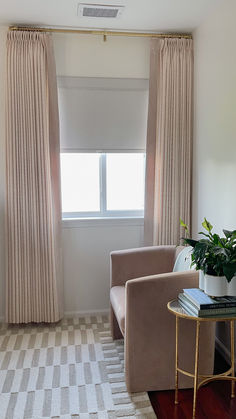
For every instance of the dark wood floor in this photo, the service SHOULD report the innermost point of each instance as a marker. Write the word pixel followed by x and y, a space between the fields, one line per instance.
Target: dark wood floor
pixel 214 401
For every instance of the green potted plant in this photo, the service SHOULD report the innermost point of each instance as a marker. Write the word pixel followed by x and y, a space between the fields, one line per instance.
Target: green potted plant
pixel 215 257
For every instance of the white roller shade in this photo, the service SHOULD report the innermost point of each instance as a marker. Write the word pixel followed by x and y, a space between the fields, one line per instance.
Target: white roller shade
pixel 103 114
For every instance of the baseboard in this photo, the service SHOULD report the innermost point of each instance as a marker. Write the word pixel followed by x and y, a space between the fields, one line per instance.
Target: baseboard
pixel 224 351
pixel 82 313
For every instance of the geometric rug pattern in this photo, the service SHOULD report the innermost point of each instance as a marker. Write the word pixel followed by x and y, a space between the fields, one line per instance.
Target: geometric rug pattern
pixel 69 370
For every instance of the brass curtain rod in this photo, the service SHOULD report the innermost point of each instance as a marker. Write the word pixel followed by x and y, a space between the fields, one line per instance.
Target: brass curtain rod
pixel 102 32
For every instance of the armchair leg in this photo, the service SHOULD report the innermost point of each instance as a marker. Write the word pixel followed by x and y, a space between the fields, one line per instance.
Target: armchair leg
pixel 115 329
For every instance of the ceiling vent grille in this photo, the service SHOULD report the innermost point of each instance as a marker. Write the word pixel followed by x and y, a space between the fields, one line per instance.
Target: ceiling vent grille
pixel 99 11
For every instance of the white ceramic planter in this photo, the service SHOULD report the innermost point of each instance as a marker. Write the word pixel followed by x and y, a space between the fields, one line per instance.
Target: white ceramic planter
pixel 217 286
pixel 201 280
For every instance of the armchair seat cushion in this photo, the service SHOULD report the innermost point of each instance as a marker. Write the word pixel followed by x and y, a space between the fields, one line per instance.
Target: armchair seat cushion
pixel 117 298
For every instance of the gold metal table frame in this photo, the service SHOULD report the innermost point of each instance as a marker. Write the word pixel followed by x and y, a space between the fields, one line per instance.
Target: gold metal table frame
pixel 199 380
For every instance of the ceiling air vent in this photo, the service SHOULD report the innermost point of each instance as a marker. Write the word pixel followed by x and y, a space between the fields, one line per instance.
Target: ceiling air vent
pixel 99 10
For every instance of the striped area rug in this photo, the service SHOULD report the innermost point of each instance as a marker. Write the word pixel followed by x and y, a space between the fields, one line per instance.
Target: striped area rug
pixel 69 370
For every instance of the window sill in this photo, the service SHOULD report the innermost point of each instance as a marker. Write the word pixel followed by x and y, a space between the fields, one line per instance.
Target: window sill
pixel 102 222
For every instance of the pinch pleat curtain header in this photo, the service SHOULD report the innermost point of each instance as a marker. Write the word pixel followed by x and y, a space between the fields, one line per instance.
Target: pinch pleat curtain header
pixel 169 140
pixel 33 212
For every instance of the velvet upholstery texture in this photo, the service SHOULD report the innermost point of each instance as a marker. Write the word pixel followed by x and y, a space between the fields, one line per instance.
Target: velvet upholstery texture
pixel 142 283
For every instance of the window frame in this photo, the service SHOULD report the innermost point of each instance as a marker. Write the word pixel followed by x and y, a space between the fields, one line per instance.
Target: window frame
pixel 103 213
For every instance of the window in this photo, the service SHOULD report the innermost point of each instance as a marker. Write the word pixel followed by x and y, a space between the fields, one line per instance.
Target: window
pixel 125 181
pixel 103 125
pixel 102 184
pixel 80 182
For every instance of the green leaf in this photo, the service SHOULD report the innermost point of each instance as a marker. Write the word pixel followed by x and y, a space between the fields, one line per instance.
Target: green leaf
pixel 230 235
pixel 217 240
pixel 191 242
pixel 227 233
pixel 204 234
pixel 221 251
pixel 207 225
pixel 213 254
pixel 229 271
pixel 182 223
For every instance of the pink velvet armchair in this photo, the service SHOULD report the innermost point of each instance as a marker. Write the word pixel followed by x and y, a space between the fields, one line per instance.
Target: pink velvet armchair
pixel 142 282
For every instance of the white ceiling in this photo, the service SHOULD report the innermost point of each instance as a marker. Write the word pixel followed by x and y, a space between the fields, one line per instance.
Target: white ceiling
pixel 143 15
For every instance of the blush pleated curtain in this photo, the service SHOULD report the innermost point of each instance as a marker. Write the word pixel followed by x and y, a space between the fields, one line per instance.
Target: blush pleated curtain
pixel 169 141
pixel 33 215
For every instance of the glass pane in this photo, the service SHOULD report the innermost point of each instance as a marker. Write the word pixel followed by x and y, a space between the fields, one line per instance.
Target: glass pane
pixel 80 182
pixel 125 181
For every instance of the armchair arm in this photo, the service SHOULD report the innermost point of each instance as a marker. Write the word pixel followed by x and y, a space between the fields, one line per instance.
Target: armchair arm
pixel 143 261
pixel 150 332
pixel 151 294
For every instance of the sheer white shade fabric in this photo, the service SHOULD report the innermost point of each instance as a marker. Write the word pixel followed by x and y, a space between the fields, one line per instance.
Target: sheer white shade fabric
pixel 101 114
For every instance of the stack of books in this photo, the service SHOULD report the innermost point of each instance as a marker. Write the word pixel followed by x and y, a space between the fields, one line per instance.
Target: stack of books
pixel 196 303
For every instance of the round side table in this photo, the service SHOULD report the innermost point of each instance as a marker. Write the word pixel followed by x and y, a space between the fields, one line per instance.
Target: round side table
pixel 175 308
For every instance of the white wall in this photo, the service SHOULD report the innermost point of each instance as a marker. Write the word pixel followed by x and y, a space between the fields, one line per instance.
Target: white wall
pixel 86 261
pixel 87 247
pixel 214 179
pixel 214 188
pixel 90 56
